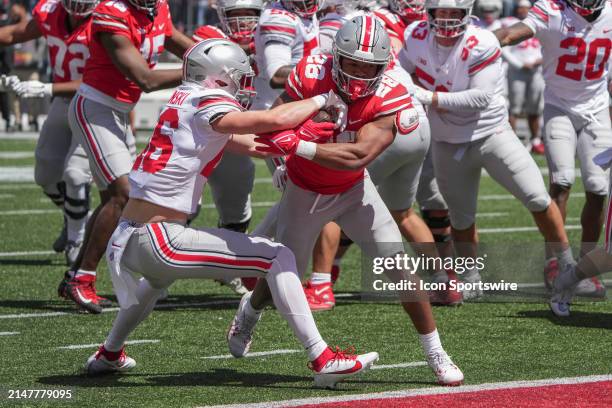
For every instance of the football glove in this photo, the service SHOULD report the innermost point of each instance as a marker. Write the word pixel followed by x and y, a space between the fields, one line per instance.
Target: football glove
pixel 279 178
pixel 423 95
pixel 33 89
pixel 280 143
pixel 318 132
pixel 7 82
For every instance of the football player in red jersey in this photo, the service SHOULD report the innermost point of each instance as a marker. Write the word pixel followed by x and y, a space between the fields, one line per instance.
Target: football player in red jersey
pixel 61 166
pixel 327 181
pixel 399 15
pixel 128 37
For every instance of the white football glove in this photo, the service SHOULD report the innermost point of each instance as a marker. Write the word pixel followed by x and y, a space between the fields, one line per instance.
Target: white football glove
pixel 279 178
pixel 33 89
pixel 341 109
pixel 7 82
pixel 423 95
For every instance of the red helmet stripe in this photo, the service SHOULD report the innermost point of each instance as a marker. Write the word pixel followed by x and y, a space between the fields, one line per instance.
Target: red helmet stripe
pixel 367 33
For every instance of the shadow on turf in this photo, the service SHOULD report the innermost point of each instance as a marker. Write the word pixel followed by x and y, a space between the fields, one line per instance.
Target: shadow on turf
pixel 30 262
pixel 214 378
pixel 593 320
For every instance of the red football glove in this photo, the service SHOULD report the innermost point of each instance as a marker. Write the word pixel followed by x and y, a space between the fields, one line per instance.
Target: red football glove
pixel 281 143
pixel 318 132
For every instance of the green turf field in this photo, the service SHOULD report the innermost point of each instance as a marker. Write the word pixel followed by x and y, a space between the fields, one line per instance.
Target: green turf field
pixel 490 341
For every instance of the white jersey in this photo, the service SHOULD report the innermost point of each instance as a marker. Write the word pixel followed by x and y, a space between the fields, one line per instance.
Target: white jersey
pixel 476 49
pixel 277 25
pixel 575 56
pixel 183 150
pixel 328 27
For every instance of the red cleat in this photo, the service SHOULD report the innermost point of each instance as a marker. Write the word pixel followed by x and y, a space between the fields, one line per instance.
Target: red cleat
pixel 82 291
pixel 551 270
pixel 538 148
pixel 320 296
pixel 447 297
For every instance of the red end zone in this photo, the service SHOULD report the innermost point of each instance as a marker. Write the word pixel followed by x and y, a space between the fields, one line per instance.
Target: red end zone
pixel 597 394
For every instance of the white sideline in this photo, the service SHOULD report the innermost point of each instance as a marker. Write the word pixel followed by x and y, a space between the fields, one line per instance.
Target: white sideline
pixel 9 333
pixel 84 346
pixel 254 354
pixel 424 391
pixel 25 253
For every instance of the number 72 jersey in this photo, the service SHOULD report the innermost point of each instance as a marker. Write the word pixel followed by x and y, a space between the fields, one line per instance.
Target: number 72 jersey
pixel 68 51
pixel 576 55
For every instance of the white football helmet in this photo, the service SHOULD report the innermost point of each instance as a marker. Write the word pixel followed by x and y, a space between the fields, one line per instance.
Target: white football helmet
pixel 365 40
pixel 489 10
pixel 220 64
pixel 303 8
pixel 79 8
pixel 449 27
pixel 242 28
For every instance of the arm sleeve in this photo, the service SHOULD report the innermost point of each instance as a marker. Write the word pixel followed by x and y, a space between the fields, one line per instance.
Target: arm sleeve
pixel 477 97
pixel 276 55
pixel 510 58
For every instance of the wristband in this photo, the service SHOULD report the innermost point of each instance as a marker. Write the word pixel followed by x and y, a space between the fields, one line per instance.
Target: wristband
pixel 307 150
pixel 320 100
pixel 48 89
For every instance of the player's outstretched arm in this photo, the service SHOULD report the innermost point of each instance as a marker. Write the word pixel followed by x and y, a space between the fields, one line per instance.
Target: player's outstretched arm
pixel 178 43
pixel 19 33
pixel 131 63
pixel 285 116
pixel 246 145
pixel 514 34
pixel 370 141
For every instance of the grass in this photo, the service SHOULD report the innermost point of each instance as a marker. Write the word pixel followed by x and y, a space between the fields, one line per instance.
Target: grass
pixel 490 341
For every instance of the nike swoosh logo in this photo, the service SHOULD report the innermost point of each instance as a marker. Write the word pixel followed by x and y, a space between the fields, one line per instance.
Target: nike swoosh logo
pixel 83 299
pixel 82 38
pixel 352 122
pixel 115 245
pixel 319 291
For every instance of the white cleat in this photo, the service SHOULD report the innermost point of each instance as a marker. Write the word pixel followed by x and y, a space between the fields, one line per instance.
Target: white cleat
pixel 445 370
pixel 561 295
pixel 100 363
pixel 472 276
pixel 240 332
pixel 331 367
pixel 591 287
pixel 234 284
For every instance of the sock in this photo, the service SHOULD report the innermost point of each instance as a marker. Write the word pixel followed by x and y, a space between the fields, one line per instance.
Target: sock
pixel 568 279
pixel 318 278
pixel 76 208
pixel 127 319
pixel 439 277
pixel 431 342
pixel 290 301
pixel 81 272
pixel 565 257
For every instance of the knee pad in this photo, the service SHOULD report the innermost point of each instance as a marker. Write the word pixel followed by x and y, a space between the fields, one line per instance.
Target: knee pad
pixel 596 185
pixel 538 203
pixel 238 226
pixel 564 178
pixel 56 192
pixel 437 221
pixel 47 173
pixel 76 176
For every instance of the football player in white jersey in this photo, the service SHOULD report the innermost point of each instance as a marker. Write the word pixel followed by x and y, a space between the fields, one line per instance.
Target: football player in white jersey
pixel 525 80
pixel 488 12
pixel 167 181
pixel 576 38
pixel 459 66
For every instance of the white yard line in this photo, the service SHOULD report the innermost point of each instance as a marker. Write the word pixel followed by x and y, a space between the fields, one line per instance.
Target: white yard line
pixel 400 365
pixel 425 391
pixel 17 155
pixel 30 212
pixel 19 186
pixel 25 253
pixel 254 354
pixel 85 346
pixel 520 229
pixel 16 173
pixel 9 333
pixel 7 196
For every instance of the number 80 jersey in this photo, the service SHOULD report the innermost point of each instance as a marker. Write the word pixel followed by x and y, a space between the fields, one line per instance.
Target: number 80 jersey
pixel 67 50
pixel 184 149
pixel 575 53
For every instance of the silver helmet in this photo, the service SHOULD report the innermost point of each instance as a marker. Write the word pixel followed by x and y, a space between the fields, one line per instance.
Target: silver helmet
pixel 220 64
pixel 408 9
pixel 149 6
pixel 489 10
pixel 239 28
pixel 303 8
pixel 79 8
pixel 365 40
pixel 449 27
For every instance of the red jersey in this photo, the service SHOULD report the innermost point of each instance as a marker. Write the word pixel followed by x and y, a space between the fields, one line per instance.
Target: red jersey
pixel 208 32
pixel 120 18
pixel 313 76
pixel 68 51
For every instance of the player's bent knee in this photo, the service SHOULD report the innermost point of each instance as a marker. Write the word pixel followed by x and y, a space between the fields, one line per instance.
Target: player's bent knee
pixel 563 178
pixel 462 223
pixel 76 177
pixel 538 203
pixel 47 175
pixel 596 185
